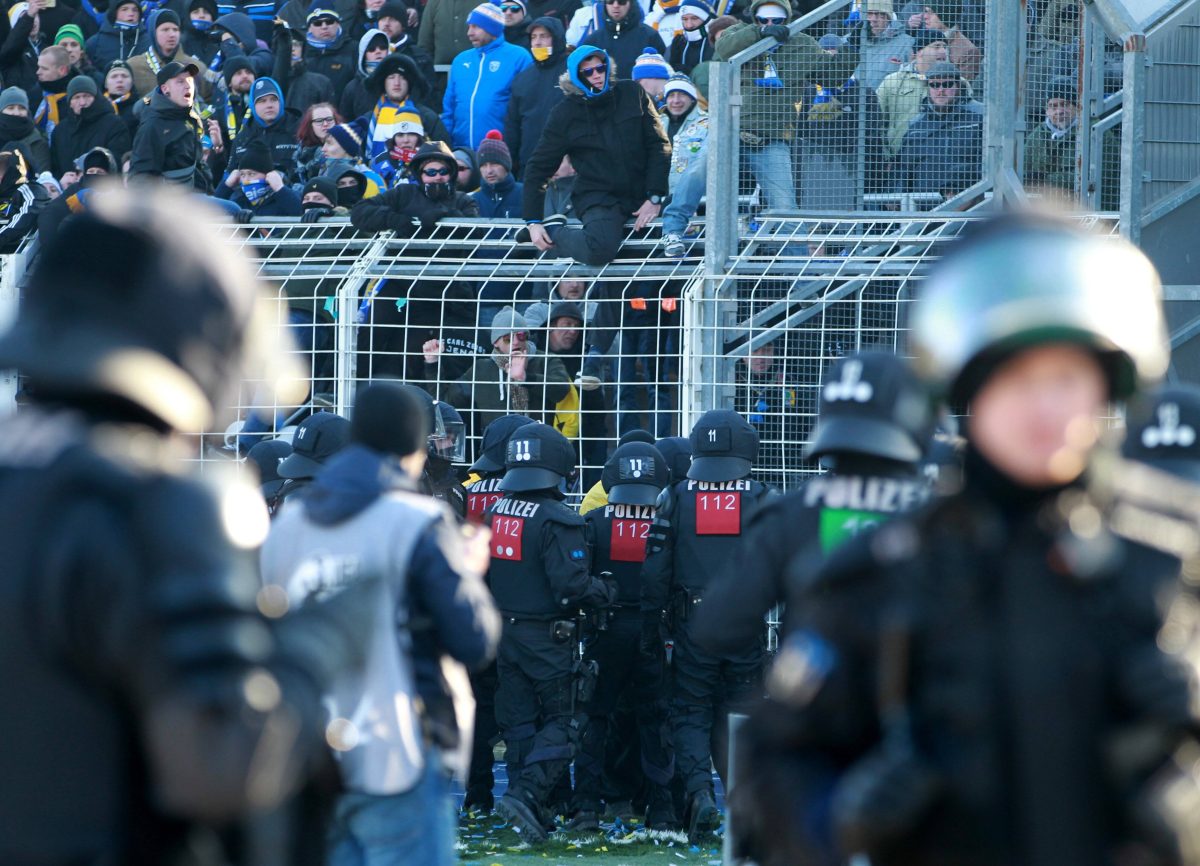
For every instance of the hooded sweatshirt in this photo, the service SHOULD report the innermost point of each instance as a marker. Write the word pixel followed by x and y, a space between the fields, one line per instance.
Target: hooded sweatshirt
pixel 116 41
pixel 357 99
pixel 535 92
pixel 279 136
pixel 245 42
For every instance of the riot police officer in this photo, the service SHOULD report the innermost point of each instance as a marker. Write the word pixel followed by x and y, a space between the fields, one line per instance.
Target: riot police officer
pixel 540 576
pixel 481 493
pixel 447 446
pixel 872 425
pixel 634 477
pixel 266 456
pixel 150 685
pixel 698 537
pixel 986 682
pixel 1164 431
pixel 317 438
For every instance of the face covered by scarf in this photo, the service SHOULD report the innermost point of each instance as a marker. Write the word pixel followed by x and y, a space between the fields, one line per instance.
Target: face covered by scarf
pixel 255 191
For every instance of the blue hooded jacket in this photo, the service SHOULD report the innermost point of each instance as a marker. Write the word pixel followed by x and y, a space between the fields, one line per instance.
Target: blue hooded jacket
pixel 279 136
pixel 478 90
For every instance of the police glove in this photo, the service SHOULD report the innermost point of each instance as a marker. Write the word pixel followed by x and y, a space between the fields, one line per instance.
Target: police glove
pixel 313 214
pixel 779 32
pixel 611 590
pixel 881 799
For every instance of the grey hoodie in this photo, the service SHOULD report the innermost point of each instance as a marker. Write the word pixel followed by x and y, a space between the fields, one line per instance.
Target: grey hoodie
pixel 879 58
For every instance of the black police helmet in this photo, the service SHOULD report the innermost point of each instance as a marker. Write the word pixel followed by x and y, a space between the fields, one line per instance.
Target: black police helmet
pixel 636 435
pixel 266 457
pixel 538 458
pixel 449 440
pixel 635 474
pixel 391 418
pixel 724 446
pixel 319 437
pixel 130 301
pixel 1164 431
pixel 495 443
pixel 872 404
pixel 677 451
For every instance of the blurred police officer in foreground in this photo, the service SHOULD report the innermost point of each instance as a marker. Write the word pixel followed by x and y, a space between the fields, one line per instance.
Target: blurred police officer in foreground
pixel 1164 431
pixel 634 477
pixel 541 577
pixel 482 492
pixel 872 425
pixel 986 682
pixel 363 515
pixel 150 685
pixel 697 540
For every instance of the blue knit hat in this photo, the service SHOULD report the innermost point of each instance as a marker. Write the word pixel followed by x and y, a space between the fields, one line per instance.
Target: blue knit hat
pixel 322 9
pixel 650 64
pixel 489 18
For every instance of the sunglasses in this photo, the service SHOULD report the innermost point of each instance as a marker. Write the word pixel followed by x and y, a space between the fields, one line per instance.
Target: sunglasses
pixel 766 22
pixel 510 7
pixel 593 70
pixel 436 172
pixel 943 85
pixel 323 22
pixel 617 2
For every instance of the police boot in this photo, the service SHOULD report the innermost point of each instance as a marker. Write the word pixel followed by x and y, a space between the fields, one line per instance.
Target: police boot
pixel 703 816
pixel 521 811
pixel 660 815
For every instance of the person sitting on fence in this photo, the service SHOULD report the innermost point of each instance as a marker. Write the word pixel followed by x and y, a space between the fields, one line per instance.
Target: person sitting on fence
pixel 772 86
pixel 620 153
pixel 943 148
pixel 516 378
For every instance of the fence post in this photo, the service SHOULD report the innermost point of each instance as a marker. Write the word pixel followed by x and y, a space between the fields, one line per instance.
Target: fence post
pixel 345 335
pixel 1133 130
pixel 1004 90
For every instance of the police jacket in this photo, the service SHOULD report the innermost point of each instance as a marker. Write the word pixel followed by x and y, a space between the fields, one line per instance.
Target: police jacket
pixel 478 88
pixel 535 91
pixel 616 143
pixel 128 627
pixel 620 533
pixel 541 565
pixel 482 495
pixel 98 125
pixel 707 520
pixel 824 512
pixel 360 517
pixel 1032 624
pixel 167 144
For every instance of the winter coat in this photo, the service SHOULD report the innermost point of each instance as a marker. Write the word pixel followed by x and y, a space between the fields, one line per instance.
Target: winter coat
pixel 684 56
pixel 21 200
pixel 768 112
pixel 279 137
pixel 302 87
pixel 625 40
pixel 199 43
pixel 21 132
pixel 335 62
pixel 444 29
pixel 145 76
pixel 518 34
pixel 245 42
pixel 500 201
pixel 616 143
pixel 486 390
pixel 18 57
pixel 478 90
pixel 535 92
pixel 900 95
pixel 690 144
pixel 396 209
pixel 167 144
pixel 880 57
pixel 98 125
pixel 115 43
pixel 562 10
pixel 942 150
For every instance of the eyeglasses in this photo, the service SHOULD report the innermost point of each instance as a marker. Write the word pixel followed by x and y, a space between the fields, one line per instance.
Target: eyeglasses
pixel 767 22
pixel 593 70
pixel 436 172
pixel 943 85
pixel 323 121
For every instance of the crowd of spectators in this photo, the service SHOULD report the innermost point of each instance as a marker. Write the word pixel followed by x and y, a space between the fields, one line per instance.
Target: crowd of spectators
pixel 586 121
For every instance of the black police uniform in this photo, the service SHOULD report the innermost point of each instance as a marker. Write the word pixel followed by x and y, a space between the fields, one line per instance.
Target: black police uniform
pixel 148 682
pixel 873 421
pixel 1164 431
pixel 705 518
pixel 634 477
pixel 540 576
pixel 480 495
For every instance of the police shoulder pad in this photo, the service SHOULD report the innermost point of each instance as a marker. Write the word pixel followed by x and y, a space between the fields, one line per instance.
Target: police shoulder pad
pixel 664 505
pixel 557 512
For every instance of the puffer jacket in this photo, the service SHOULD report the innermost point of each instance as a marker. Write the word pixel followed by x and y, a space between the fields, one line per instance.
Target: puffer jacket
pixel 478 90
